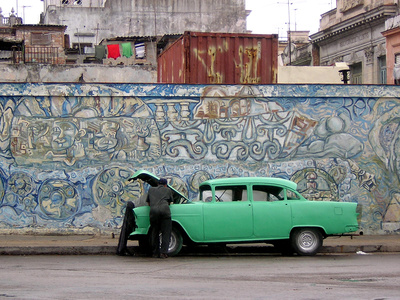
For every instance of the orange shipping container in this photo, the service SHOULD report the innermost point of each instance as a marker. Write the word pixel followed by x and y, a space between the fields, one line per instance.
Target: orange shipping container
pixel 220 58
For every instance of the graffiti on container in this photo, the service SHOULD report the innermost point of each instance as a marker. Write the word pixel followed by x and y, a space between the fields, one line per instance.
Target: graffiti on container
pixel 246 61
pixel 249 68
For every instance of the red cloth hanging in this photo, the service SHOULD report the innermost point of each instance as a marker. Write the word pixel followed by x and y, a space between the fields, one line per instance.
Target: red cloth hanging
pixel 113 51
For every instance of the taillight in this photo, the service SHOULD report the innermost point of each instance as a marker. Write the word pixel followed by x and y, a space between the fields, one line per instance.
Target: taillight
pixel 359 212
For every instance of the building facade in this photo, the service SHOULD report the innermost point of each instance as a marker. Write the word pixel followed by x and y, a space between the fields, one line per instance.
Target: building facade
pixel 297 52
pixel 352 33
pixel 90 21
pixel 392 35
pixel 20 43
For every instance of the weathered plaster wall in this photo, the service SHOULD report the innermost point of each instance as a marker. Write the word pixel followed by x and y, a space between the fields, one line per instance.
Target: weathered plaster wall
pixel 67 150
pixel 73 73
pixel 146 18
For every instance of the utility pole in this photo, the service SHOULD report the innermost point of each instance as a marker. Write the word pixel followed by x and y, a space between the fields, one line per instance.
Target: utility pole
pixel 289 35
pixel 23 12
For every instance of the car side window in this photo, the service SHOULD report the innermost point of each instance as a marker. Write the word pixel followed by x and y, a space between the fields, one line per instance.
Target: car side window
pixel 224 193
pixel 260 195
pixel 231 193
pixel 206 196
pixel 268 193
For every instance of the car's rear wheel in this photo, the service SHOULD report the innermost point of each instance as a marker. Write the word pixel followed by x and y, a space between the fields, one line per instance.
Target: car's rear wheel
pixel 175 243
pixel 306 241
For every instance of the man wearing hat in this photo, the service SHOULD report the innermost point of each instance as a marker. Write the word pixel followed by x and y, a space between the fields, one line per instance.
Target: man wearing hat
pixel 159 199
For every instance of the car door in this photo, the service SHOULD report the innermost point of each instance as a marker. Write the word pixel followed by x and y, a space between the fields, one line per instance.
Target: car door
pixel 229 215
pixel 271 212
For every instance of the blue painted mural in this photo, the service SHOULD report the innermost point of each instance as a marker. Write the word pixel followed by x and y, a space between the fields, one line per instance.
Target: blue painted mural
pixel 67 150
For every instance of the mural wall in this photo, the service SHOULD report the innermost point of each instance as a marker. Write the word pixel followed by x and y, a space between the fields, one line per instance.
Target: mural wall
pixel 67 150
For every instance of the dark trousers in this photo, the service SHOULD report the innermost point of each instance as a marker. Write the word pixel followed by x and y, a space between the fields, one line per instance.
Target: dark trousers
pixel 161 224
pixel 127 227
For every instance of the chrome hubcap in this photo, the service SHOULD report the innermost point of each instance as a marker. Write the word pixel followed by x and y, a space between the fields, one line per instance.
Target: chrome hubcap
pixel 172 242
pixel 307 240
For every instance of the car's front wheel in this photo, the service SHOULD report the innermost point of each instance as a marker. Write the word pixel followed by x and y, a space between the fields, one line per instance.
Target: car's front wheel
pixel 175 243
pixel 306 241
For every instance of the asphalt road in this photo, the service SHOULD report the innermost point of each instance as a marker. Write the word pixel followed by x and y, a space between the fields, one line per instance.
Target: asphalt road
pixel 375 276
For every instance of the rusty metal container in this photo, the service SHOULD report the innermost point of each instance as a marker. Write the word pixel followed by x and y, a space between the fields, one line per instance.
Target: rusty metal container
pixel 220 58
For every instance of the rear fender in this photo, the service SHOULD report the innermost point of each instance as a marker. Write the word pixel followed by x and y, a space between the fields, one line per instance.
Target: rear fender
pixel 321 230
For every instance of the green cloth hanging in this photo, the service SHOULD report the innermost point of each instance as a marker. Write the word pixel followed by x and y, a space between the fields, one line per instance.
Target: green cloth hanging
pixel 100 52
pixel 127 50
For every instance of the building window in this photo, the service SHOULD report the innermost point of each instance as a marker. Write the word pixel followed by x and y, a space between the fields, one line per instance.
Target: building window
pixel 397 58
pixel 382 69
pixel 71 2
pixel 83 48
pixel 40 39
pixel 396 69
pixel 356 73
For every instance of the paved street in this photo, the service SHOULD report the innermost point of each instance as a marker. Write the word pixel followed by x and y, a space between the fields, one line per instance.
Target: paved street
pixel 350 276
pixel 89 244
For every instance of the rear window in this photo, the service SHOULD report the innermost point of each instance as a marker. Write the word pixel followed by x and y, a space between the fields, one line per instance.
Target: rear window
pixel 268 193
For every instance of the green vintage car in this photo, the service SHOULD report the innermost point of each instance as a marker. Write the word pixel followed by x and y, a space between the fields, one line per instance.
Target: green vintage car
pixel 249 210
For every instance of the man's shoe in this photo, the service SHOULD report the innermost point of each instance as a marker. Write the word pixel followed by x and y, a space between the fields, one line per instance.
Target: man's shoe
pixel 163 255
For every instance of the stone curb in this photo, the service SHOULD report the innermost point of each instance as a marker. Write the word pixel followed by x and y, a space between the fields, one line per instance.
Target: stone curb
pixel 111 250
pixel 65 250
pixel 355 249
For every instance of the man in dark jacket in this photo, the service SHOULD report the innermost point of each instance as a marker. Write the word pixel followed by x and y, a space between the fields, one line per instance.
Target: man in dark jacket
pixel 159 199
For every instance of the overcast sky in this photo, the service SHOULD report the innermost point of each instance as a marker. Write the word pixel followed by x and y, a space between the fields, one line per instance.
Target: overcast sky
pixel 272 16
pixel 267 16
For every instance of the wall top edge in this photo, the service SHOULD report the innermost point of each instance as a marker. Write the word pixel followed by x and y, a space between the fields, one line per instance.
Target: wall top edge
pixel 193 91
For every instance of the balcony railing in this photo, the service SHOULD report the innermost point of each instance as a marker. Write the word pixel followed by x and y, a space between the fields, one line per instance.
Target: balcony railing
pixel 9 21
pixel 39 55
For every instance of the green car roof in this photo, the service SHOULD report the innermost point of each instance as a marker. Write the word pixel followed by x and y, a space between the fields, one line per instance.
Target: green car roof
pixel 251 180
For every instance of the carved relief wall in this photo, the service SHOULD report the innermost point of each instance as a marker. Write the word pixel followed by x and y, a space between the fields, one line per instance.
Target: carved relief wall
pixel 67 150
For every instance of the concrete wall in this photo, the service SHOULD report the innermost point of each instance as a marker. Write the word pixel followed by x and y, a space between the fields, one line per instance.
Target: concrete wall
pixel 146 18
pixel 73 73
pixel 311 75
pixel 67 150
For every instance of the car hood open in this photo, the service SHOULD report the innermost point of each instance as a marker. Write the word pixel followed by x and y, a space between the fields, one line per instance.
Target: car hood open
pixel 152 179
